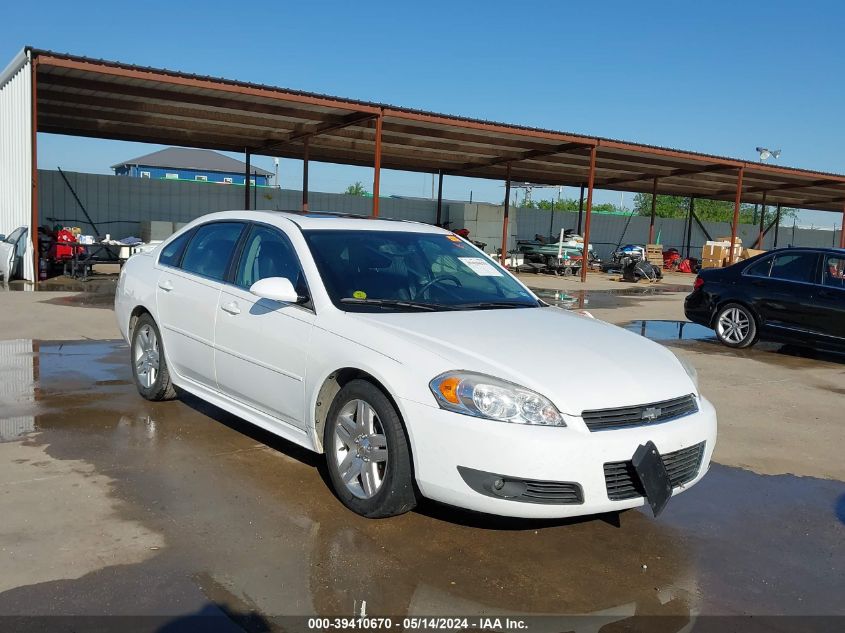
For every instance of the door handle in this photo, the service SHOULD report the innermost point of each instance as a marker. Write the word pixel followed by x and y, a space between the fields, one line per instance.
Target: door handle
pixel 231 307
pixel 166 285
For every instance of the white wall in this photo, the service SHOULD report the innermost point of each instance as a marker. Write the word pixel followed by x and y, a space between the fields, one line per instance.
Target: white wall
pixel 16 152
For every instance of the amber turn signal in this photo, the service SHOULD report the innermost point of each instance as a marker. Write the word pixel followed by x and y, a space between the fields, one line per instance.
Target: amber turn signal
pixel 449 389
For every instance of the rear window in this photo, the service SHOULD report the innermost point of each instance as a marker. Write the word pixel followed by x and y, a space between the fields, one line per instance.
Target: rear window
pixel 172 253
pixel 760 268
pixel 794 267
pixel 211 249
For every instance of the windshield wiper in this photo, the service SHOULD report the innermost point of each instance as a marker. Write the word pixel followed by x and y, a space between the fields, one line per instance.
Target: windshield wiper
pixel 396 303
pixel 485 305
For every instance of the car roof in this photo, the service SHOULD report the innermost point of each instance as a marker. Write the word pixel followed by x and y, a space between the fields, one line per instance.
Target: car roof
pixel 825 249
pixel 323 220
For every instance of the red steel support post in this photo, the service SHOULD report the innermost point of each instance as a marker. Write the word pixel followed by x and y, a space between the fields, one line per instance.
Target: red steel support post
pixel 305 175
pixel 33 229
pixel 504 253
pixel 377 166
pixel 737 203
pixel 653 211
pixel 585 254
pixel 246 180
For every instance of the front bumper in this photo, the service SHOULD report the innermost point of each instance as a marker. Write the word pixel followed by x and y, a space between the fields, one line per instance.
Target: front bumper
pixel 442 441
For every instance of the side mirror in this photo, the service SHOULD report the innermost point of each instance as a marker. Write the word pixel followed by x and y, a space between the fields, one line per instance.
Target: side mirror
pixel 275 289
pixel 2 237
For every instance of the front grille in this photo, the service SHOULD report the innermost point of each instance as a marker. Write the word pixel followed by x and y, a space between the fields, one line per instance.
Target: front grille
pixel 682 466
pixel 639 415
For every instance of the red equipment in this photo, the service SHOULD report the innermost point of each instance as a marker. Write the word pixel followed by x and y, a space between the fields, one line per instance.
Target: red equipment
pixel 64 242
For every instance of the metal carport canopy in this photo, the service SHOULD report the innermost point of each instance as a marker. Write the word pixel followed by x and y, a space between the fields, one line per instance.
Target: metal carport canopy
pixel 86 97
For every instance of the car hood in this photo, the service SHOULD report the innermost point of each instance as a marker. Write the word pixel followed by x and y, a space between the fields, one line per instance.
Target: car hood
pixel 578 362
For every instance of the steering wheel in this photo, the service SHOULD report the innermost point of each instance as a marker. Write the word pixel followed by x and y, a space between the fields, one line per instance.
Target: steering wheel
pixel 437 280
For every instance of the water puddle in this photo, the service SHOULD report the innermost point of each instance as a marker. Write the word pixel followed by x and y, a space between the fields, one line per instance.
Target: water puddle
pixel 252 515
pixel 575 299
pixel 671 330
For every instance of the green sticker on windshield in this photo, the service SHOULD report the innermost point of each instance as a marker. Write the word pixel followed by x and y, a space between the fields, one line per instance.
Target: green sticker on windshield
pixel 359 294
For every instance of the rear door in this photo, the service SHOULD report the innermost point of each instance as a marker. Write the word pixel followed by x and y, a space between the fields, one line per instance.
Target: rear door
pixel 262 345
pixel 784 299
pixel 830 298
pixel 187 297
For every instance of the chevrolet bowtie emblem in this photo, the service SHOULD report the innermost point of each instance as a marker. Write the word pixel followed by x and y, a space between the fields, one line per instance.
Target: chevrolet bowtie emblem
pixel 651 413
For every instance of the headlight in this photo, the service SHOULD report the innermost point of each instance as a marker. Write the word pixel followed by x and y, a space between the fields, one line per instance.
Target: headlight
pixel 691 371
pixel 487 397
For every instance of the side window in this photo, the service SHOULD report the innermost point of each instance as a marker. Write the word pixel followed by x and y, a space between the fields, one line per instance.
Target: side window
pixel 172 253
pixel 834 271
pixel 268 253
pixel 211 248
pixel 794 267
pixel 760 268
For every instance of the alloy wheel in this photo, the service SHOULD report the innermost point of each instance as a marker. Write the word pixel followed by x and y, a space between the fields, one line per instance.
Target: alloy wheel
pixel 146 356
pixel 360 449
pixel 734 325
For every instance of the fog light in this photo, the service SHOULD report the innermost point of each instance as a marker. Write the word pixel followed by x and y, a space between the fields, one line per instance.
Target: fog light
pixel 498 484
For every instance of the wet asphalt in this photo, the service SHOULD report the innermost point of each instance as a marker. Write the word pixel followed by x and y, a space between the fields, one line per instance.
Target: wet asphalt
pixel 251 529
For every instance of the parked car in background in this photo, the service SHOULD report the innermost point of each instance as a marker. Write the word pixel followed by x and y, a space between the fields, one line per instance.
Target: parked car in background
pixel 12 251
pixel 410 359
pixel 792 295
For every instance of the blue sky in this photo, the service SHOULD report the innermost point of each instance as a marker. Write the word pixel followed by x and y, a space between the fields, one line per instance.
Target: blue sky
pixel 716 77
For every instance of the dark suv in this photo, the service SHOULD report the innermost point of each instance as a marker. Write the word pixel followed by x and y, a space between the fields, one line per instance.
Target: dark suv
pixel 792 295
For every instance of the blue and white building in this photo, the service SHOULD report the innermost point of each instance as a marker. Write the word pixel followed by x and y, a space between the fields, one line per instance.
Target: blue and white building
pixel 198 165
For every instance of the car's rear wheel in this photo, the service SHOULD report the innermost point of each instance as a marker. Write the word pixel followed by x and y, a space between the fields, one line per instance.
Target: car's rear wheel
pixel 149 368
pixel 736 326
pixel 367 452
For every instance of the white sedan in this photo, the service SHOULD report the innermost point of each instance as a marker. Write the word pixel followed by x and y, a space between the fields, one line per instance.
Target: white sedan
pixel 419 366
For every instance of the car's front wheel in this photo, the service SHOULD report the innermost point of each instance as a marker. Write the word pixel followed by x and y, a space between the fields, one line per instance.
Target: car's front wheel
pixel 736 326
pixel 149 368
pixel 367 451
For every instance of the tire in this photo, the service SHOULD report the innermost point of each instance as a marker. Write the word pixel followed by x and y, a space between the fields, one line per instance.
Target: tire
pixel 149 367
pixel 735 326
pixel 376 480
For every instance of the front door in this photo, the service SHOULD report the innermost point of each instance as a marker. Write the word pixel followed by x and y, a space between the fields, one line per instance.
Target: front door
pixel 261 345
pixel 830 300
pixel 188 295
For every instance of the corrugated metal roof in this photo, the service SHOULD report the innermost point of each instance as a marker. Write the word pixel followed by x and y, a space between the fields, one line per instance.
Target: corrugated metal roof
pixel 87 97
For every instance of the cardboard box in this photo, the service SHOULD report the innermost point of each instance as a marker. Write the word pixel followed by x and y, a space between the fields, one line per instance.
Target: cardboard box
pixel 748 253
pixel 715 250
pixel 712 262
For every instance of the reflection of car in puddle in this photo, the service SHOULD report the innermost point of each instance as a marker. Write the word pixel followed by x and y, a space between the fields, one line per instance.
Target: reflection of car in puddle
pixel 576 570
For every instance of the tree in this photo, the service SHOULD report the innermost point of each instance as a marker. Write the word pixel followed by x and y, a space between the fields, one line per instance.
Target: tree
pixel 356 189
pixel 707 210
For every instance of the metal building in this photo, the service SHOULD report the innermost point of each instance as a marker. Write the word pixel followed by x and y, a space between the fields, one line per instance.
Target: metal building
pixel 17 159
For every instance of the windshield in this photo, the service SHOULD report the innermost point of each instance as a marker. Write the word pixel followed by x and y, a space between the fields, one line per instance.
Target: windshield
pixel 376 271
pixel 15 235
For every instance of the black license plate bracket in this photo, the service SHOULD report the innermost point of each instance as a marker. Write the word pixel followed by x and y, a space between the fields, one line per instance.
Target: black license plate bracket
pixel 650 470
